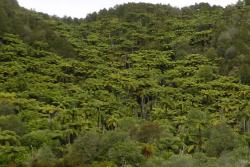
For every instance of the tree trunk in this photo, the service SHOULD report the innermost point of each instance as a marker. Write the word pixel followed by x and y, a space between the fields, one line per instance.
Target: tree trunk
pixel 142 107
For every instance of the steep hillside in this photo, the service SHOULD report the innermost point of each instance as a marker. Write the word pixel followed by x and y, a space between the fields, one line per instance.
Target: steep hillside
pixel 138 85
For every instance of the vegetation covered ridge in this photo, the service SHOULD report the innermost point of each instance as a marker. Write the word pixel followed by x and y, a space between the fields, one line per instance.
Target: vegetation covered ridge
pixel 137 85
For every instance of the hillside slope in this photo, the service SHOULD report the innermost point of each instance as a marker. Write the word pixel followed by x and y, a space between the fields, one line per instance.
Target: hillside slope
pixel 136 85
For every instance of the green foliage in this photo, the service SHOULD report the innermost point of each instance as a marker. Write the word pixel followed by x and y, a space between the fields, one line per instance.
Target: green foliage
pixel 247 2
pixel 147 132
pixel 238 157
pixel 37 139
pixel 206 73
pixel 156 162
pixel 126 153
pixel 221 139
pixel 9 138
pixel 181 161
pixel 12 123
pixel 135 85
pixel 43 157
pixel 85 149
pixel 245 74
pixel 12 155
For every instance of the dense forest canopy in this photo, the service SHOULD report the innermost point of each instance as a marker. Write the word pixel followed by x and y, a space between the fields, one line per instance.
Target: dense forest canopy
pixel 136 85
